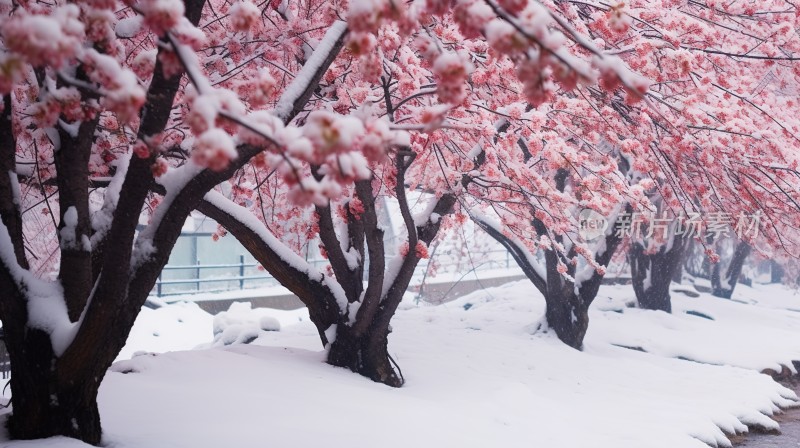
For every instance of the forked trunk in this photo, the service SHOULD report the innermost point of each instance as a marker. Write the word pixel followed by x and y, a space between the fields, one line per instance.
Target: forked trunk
pixel 567 303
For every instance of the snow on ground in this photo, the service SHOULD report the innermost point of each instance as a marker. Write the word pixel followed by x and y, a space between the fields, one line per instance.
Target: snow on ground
pixel 179 326
pixel 477 375
pixel 706 329
pixel 769 296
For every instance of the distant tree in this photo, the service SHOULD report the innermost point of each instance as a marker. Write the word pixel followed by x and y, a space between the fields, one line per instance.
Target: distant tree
pixel 568 294
pixel 776 272
pixel 709 139
pixel 723 282
pixel 653 272
pixel 563 266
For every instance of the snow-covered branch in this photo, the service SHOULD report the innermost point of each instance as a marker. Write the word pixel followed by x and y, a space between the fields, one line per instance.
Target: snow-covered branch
pixel 525 260
pixel 298 92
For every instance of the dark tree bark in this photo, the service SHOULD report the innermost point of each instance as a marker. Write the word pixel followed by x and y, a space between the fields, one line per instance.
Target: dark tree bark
pixel 72 165
pixel 46 403
pixel 366 354
pixel 355 347
pixel 723 287
pixel 9 208
pixel 652 274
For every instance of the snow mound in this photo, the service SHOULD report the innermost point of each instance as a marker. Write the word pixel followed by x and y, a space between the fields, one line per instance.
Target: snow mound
pixel 242 324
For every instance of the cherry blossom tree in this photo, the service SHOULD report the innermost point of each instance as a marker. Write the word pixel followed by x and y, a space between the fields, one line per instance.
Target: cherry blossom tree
pixel 725 149
pixel 94 96
pixel 737 116
pixel 567 289
pixel 117 111
pixel 287 121
pixel 539 223
pixel 660 138
pixel 707 139
pixel 449 90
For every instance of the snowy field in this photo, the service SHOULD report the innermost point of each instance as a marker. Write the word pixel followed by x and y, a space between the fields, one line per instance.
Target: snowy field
pixel 478 375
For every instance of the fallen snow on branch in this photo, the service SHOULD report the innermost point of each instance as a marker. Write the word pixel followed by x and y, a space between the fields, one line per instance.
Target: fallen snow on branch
pixel 47 310
pixel 306 74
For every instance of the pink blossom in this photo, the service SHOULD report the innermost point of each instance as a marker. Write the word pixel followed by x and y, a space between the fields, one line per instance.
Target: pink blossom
pixel 513 6
pixel 244 15
pixel 618 20
pixel 451 74
pixel 472 16
pixel 141 149
pixel 161 15
pixel 502 36
pixel 331 133
pixel 41 39
pixel 214 149
pixel 421 250
pixel 361 43
pixel 365 15
pixel 159 167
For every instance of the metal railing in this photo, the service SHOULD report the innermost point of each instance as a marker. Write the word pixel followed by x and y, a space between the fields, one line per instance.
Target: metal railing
pixel 238 277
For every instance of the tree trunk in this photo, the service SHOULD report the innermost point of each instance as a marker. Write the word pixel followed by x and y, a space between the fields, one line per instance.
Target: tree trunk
pixel 724 288
pixel 47 403
pixel 568 316
pixel 653 273
pixel 776 272
pixel 695 260
pixel 361 347
pixel 366 355
pixel 677 276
